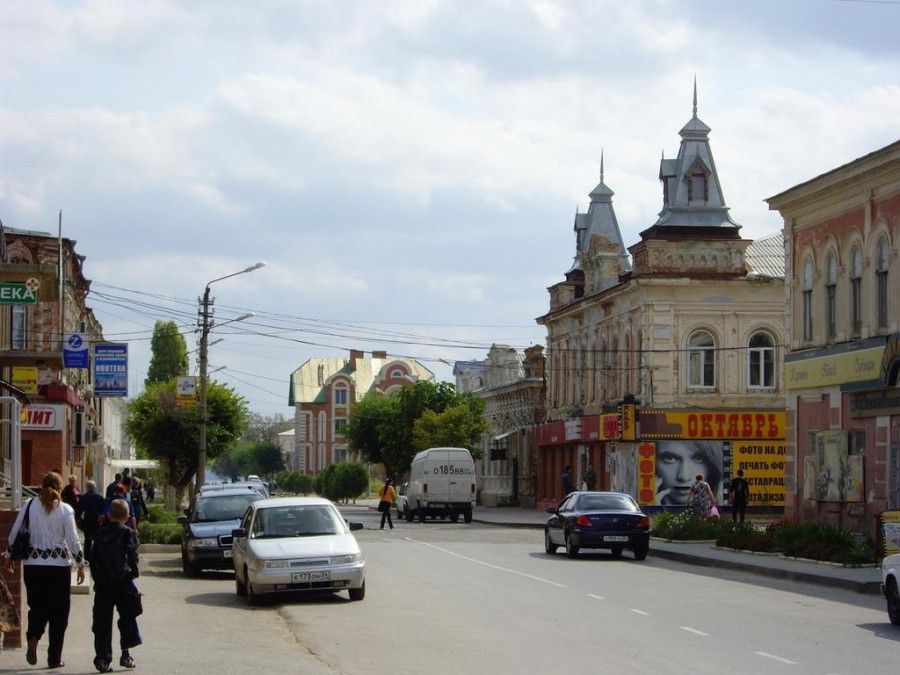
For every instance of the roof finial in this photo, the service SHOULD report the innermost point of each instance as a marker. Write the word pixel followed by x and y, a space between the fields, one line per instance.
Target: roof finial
pixel 601 165
pixel 695 95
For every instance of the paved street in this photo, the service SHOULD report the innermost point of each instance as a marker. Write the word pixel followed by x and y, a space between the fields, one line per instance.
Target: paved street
pixel 452 598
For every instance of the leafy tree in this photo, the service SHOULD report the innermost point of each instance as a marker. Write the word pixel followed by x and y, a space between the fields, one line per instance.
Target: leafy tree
pixel 265 428
pixel 460 426
pixel 169 433
pixel 265 458
pixel 342 481
pixel 381 428
pixel 168 350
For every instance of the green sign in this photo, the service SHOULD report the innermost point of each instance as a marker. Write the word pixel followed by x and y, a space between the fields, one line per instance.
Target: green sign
pixel 18 293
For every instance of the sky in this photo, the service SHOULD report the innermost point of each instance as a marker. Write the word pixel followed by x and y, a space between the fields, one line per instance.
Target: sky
pixel 409 170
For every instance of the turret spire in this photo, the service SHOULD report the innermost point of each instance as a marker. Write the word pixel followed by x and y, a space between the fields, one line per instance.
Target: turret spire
pixel 695 95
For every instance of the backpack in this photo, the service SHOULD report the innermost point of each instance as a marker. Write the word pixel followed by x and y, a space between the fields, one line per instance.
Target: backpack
pixel 110 564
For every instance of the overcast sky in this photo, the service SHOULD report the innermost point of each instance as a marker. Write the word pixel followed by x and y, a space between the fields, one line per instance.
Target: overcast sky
pixel 410 170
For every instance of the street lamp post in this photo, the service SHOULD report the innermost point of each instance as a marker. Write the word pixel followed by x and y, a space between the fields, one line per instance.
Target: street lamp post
pixel 205 326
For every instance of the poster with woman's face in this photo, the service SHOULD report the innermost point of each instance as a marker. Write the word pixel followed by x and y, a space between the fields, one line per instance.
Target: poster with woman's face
pixel 678 463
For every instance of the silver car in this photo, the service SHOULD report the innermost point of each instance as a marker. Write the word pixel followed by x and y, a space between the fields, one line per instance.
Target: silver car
pixel 297 544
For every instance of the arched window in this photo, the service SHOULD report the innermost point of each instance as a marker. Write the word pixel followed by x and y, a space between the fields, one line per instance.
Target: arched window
pixel 831 296
pixel 856 290
pixel 340 395
pixel 882 253
pixel 807 301
pixel 761 361
pixel 701 360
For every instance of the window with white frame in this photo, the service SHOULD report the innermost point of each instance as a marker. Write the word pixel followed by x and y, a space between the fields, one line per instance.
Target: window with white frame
pixel 831 296
pixel 340 426
pixel 882 254
pixel 701 360
pixel 761 361
pixel 807 301
pixel 340 396
pixel 856 290
pixel 18 327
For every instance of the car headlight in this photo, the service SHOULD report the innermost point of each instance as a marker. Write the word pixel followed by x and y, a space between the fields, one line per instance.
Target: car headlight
pixel 268 564
pixel 203 542
pixel 345 559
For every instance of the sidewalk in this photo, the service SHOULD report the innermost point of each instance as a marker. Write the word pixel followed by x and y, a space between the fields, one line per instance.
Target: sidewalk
pixel 858 579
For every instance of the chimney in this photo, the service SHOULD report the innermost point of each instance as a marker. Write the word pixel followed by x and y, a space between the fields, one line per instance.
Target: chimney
pixel 355 354
pixel 379 355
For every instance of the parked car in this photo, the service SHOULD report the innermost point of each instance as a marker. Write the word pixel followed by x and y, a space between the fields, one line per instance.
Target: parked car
pixel 610 520
pixel 401 503
pixel 206 528
pixel 297 544
pixel 890 586
pixel 441 484
pixel 259 486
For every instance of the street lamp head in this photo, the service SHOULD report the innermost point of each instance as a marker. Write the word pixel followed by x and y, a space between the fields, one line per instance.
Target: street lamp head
pixel 261 263
pixel 243 317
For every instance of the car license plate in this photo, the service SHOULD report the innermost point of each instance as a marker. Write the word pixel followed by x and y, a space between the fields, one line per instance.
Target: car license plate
pixel 614 537
pixel 299 577
pixel 226 553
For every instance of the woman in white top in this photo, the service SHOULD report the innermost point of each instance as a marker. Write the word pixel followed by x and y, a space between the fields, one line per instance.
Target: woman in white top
pixel 47 569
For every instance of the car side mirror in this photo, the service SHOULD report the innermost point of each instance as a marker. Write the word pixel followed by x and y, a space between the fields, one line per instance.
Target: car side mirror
pixel 182 519
pixel 552 509
pixel 239 532
pixel 356 526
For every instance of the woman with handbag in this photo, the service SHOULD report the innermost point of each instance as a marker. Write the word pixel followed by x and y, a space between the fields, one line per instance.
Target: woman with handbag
pixel 387 498
pixel 53 547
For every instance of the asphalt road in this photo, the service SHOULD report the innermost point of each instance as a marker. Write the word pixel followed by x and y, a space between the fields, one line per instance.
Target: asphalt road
pixel 448 598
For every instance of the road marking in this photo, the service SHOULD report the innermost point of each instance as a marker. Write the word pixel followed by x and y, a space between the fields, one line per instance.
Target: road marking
pixel 694 631
pixel 777 658
pixel 487 564
pixel 595 597
pixel 641 612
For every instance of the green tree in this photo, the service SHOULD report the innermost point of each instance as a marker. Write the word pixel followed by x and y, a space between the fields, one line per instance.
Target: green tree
pixel 265 458
pixel 168 353
pixel 342 481
pixel 459 426
pixel 381 428
pixel 163 431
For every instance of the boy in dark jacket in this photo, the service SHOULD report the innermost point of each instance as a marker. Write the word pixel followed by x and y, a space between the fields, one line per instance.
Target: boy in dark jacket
pixel 114 566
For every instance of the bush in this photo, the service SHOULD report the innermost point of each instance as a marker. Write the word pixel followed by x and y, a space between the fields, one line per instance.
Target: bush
pixel 685 526
pixel 158 514
pixel 159 533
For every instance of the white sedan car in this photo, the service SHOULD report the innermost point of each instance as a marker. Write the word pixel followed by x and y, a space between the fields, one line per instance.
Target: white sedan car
pixel 890 586
pixel 296 544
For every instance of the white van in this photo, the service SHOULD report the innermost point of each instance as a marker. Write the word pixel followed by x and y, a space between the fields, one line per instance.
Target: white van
pixel 441 484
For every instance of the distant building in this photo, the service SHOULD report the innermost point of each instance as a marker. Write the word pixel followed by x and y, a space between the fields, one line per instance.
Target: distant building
pixel 680 345
pixel 322 391
pixel 842 369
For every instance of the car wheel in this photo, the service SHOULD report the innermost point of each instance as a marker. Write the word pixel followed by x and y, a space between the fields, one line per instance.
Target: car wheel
pixel 357 593
pixel 454 517
pixel 893 602
pixel 421 514
pixel 407 514
pixel 571 549
pixel 467 516
pixel 239 586
pixel 549 546
pixel 617 551
pixel 640 551
pixel 187 568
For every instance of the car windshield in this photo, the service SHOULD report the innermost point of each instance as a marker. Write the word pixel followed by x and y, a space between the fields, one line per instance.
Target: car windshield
pixel 605 502
pixel 312 520
pixel 225 507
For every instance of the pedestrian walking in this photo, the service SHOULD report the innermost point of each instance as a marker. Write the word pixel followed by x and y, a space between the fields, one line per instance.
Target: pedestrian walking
pixel 590 478
pixel 120 491
pixel 139 506
pixel 91 507
pixel 739 495
pixel 71 494
pixel 150 490
pixel 387 499
pixel 114 567
pixel 117 480
pixel 55 546
pixel 567 485
pixel 700 499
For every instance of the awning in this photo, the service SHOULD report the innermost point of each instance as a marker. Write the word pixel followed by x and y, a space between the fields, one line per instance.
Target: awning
pixel 503 436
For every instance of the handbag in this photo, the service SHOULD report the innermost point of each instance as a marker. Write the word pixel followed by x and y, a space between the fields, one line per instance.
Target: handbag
pixel 714 511
pixel 130 603
pixel 21 546
pixel 384 506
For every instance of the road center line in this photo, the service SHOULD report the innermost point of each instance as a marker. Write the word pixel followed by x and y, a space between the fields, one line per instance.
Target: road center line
pixel 776 658
pixel 487 564
pixel 595 597
pixel 694 631
pixel 641 612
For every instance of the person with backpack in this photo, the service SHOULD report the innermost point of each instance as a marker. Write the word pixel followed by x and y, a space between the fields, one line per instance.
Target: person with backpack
pixel 114 567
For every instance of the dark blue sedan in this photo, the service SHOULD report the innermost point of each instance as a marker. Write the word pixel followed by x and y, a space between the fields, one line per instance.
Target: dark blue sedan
pixel 610 520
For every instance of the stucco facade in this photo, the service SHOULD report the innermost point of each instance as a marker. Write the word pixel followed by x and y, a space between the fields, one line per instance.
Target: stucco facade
pixel 841 370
